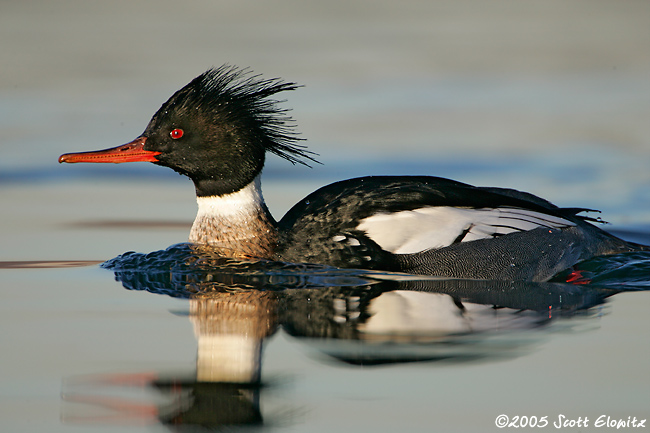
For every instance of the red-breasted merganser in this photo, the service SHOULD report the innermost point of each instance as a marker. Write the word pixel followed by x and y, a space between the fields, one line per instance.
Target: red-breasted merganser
pixel 217 129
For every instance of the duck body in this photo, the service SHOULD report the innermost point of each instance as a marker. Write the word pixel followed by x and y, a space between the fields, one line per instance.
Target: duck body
pixel 434 226
pixel 217 130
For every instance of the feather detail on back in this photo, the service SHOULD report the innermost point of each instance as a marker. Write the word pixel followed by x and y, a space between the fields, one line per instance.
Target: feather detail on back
pixel 422 229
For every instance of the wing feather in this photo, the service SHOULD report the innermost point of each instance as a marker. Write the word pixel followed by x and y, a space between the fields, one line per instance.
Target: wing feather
pixel 413 231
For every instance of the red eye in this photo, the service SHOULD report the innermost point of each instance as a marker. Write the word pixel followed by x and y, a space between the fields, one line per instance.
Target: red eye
pixel 176 133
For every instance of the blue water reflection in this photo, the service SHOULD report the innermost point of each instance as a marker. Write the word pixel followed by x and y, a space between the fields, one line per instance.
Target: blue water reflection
pixel 357 318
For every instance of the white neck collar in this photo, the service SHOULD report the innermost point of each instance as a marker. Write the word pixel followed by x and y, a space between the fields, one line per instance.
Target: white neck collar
pixel 246 201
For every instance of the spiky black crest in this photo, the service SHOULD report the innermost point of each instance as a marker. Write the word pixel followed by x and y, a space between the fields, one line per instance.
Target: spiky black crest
pixel 237 96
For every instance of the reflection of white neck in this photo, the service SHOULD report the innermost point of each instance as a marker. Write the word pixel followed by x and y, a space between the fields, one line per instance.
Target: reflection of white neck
pixel 234 358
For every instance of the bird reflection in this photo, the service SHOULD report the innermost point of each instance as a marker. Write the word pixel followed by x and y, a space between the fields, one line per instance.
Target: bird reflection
pixel 230 327
pixel 349 316
pixel 431 320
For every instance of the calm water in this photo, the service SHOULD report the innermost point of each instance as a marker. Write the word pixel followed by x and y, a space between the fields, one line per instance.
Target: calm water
pixel 543 98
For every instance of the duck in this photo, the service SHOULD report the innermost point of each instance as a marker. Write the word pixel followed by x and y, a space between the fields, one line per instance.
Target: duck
pixel 218 129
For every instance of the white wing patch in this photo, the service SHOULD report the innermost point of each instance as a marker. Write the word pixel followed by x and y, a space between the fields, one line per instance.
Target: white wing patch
pixel 417 230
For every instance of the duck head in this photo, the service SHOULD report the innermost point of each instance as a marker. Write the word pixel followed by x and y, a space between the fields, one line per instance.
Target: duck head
pixel 216 130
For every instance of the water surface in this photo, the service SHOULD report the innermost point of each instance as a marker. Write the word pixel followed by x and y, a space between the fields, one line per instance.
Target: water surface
pixel 547 98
